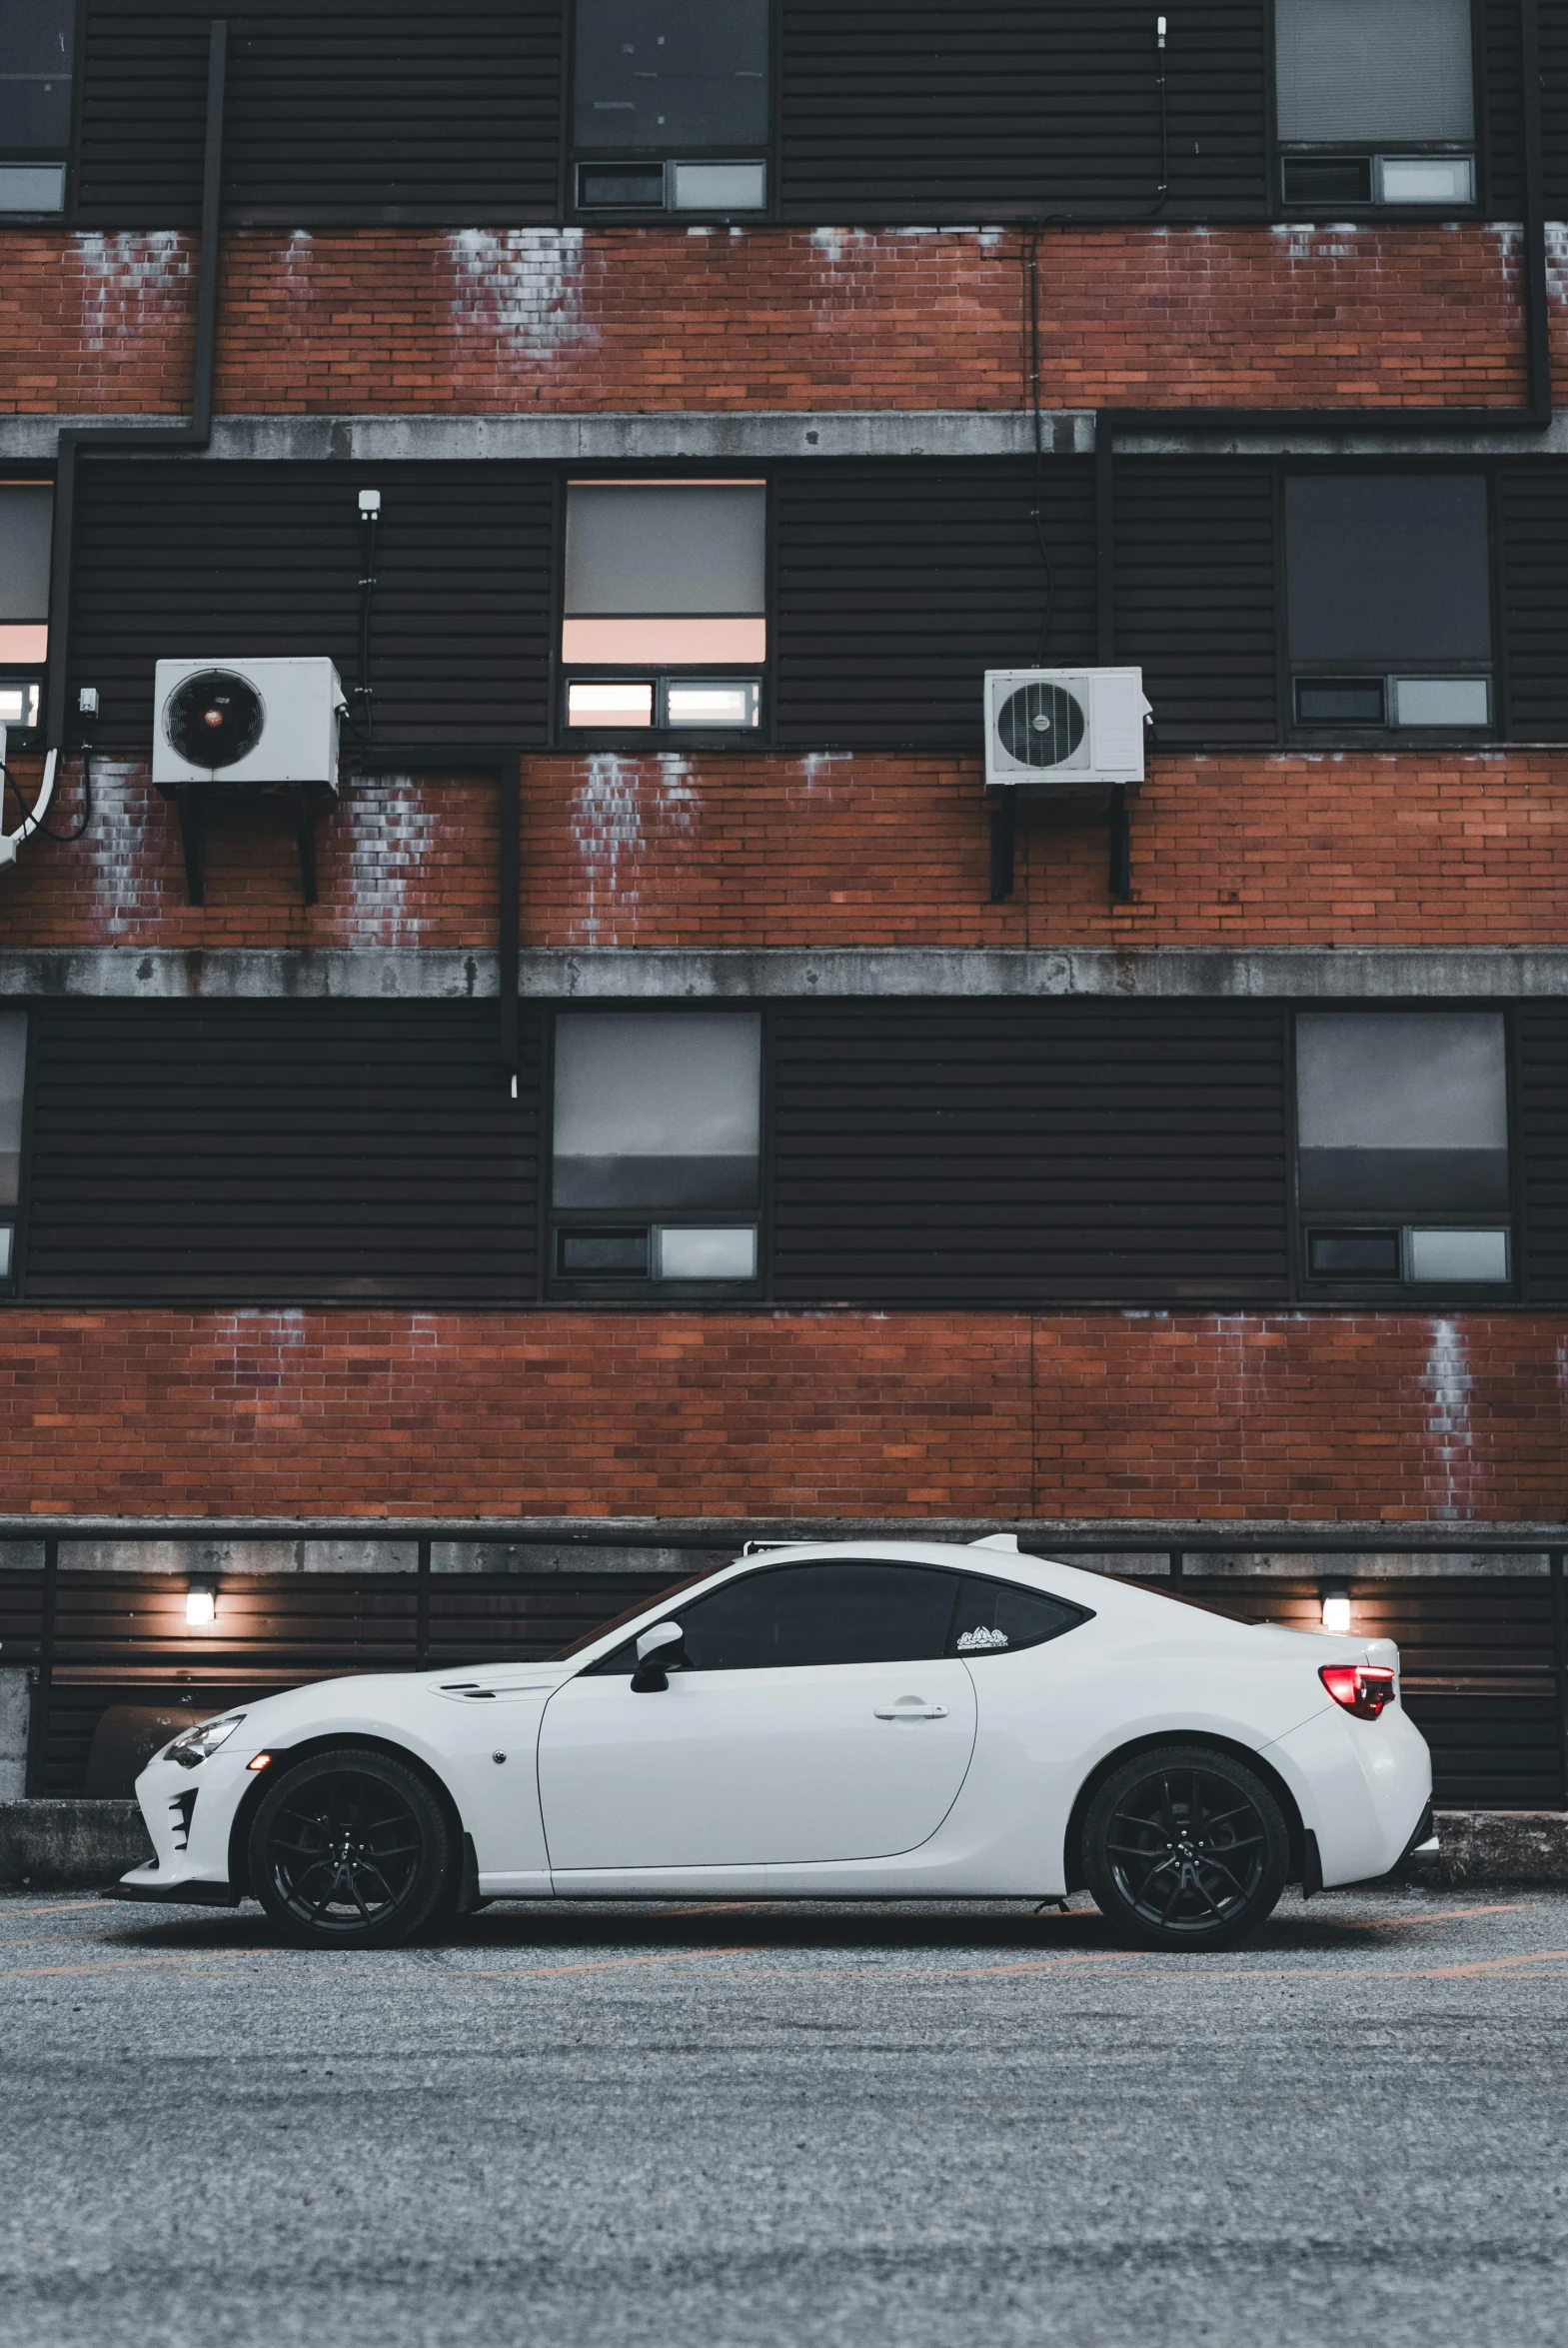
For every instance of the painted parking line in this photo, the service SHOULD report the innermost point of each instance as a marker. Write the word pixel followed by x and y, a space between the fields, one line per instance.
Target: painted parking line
pixel 58 1907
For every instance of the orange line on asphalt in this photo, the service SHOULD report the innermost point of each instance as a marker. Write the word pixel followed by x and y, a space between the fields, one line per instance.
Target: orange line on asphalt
pixel 59 1907
pixel 1545 1956
pixel 1503 1907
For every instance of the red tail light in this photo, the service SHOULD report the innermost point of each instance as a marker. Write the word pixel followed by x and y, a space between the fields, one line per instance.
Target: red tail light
pixel 1363 1688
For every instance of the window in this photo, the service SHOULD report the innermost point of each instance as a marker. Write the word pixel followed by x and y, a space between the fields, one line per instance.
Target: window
pixel 995 1617
pixel 1376 103
pixel 26 510
pixel 37 44
pixel 666 602
pixel 1388 580
pixel 1402 1133
pixel 855 1610
pixel 13 1074
pixel 657 1132
pixel 671 106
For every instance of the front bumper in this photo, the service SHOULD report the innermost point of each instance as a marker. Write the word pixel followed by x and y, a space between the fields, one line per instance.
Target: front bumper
pixel 150 1884
pixel 189 1815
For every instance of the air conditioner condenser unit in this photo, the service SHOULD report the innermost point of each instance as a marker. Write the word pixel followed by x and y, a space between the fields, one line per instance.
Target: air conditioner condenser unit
pixel 246 722
pixel 1064 728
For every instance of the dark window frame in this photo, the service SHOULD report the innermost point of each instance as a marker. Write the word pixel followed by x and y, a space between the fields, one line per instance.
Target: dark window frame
pixel 1308 211
pixel 645 741
pixel 573 156
pixel 1349 735
pixel 31 672
pixel 647 1293
pixel 13 1288
pixel 1404 1294
pixel 66 152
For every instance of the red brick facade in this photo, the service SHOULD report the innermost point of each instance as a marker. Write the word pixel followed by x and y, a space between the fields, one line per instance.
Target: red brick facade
pixel 1242 850
pixel 1078 1415
pixel 386 321
pixel 1082 1415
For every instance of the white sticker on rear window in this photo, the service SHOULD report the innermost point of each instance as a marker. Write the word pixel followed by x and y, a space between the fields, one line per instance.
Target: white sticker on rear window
pixel 971 1641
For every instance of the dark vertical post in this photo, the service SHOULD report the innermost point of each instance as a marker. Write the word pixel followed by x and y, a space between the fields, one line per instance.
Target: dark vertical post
pixel 1560 1663
pixel 1532 260
pixel 421 1609
pixel 38 1717
pixel 1177 1562
pixel 1120 815
pixel 508 941
pixel 1004 839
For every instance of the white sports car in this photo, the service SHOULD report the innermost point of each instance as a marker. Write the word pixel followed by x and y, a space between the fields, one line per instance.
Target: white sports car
pixel 867 1720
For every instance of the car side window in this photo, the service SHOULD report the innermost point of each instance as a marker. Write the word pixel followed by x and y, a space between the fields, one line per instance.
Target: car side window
pixel 996 1618
pixel 855 1610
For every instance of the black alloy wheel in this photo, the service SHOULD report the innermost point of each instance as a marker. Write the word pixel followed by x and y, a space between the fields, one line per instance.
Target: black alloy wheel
pixel 1186 1847
pixel 351 1849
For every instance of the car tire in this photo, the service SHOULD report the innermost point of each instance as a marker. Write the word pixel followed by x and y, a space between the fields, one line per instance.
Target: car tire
pixel 1186 1847
pixel 351 1849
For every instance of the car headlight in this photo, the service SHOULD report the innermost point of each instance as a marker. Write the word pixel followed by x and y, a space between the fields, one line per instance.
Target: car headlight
pixel 197 1744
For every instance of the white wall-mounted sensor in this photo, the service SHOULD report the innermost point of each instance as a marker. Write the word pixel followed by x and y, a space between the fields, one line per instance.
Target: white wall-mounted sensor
pixel 370 500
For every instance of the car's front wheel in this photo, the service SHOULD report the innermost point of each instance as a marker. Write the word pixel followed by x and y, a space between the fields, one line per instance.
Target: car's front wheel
pixel 1184 1846
pixel 351 1849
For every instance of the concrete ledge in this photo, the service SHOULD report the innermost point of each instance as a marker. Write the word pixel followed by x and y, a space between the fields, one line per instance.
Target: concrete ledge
pixel 1496 1847
pixel 59 1845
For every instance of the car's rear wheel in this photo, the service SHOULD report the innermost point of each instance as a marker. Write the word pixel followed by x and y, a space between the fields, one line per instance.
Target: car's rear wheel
pixel 1186 1847
pixel 351 1849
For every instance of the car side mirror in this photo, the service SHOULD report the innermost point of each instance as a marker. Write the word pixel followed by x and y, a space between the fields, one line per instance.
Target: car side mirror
pixel 658 1652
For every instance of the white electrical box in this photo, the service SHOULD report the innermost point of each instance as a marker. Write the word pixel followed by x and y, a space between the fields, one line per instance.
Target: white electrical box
pixel 1063 727
pixel 236 722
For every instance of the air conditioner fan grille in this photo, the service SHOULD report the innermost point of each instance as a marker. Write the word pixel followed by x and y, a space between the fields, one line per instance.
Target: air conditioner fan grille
pixel 1040 724
pixel 214 718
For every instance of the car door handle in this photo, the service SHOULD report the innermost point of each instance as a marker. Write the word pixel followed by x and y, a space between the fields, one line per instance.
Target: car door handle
pixel 912 1711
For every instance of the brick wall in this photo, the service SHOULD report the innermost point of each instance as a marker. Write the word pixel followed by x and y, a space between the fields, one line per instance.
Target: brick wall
pixel 462 321
pixel 1332 848
pixel 1082 1415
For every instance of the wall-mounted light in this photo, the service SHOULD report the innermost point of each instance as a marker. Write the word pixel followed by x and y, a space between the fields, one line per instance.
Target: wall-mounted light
pixel 1337 1608
pixel 201 1605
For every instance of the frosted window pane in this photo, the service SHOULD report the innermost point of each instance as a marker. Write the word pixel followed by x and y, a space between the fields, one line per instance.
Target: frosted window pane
pixel 1374 70
pixel 665 549
pixel 662 1110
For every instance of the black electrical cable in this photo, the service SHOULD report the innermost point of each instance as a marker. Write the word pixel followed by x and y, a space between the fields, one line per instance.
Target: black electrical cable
pixel 364 692
pixel 65 838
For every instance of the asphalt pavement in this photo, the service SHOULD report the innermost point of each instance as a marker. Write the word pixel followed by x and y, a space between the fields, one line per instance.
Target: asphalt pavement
pixel 772 2126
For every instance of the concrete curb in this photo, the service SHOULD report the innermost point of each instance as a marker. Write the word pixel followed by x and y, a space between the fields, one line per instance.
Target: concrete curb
pixel 1496 1847
pixel 66 1845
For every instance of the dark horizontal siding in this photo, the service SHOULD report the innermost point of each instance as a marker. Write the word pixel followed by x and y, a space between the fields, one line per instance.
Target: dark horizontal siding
pixel 21 1615
pixel 928 109
pixel 900 583
pixel 1532 534
pixel 1028 1153
pixel 280 1152
pixel 1553 22
pixel 1502 112
pixel 1197 596
pixel 178 558
pixel 1476 1659
pixel 1543 1030
pixel 337 113
pixel 489 1617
